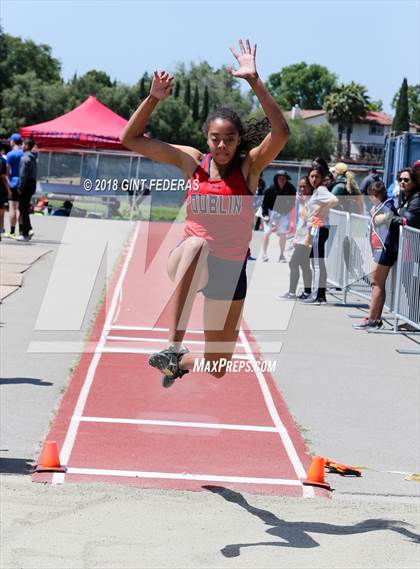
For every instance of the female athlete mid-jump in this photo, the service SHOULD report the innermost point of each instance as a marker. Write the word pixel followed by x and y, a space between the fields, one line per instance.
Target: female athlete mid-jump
pixel 212 256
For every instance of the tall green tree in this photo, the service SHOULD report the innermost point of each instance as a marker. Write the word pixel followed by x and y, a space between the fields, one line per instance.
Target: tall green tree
pixel 302 84
pixel 205 107
pixel 196 104
pixel 187 93
pixel 413 94
pixel 401 122
pixel 346 106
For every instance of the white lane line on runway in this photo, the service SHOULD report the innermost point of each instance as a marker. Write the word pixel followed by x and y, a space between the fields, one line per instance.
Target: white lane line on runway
pixel 143 328
pixel 284 435
pixel 163 340
pixel 152 351
pixel 177 424
pixel 84 392
pixel 183 476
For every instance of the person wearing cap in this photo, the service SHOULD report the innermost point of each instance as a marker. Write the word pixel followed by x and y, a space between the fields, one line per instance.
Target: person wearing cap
pixel 279 200
pixel 13 159
pixel 346 189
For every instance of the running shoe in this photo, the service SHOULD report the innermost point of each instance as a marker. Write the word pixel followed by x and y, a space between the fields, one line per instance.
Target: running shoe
pixel 23 238
pixel 367 324
pixel 265 259
pixel 9 235
pixel 286 296
pixel 167 361
pixel 282 259
pixel 304 295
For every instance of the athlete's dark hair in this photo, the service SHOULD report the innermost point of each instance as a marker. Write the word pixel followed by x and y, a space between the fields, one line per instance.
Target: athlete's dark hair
pixel 252 133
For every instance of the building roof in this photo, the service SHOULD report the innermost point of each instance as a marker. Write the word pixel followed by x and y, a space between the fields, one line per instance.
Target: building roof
pixel 307 113
pixel 378 118
pixel 371 117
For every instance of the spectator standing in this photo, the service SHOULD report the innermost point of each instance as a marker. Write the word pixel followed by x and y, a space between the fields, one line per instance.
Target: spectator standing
pixel 259 196
pixel 373 176
pixel 301 254
pixel 13 163
pixel 346 189
pixel 278 202
pixel 27 188
pixel 4 192
pixel 318 207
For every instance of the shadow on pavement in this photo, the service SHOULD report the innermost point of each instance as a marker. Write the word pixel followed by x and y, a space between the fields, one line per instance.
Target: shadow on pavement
pixel 16 466
pixel 17 380
pixel 294 534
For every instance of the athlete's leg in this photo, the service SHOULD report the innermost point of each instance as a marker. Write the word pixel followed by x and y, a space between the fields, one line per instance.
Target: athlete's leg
pixel 222 319
pixel 187 268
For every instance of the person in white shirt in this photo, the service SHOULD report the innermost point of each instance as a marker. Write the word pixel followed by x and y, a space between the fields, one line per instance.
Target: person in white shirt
pixel 318 207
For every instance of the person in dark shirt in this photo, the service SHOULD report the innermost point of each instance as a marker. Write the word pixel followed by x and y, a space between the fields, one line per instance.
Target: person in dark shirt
pixel 13 158
pixel 373 176
pixel 279 200
pixel 27 188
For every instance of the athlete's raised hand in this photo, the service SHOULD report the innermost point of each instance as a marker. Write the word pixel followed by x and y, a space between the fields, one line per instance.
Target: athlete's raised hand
pixel 161 85
pixel 246 60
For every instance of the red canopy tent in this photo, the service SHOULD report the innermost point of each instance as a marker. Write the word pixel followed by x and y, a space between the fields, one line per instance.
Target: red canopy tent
pixel 90 125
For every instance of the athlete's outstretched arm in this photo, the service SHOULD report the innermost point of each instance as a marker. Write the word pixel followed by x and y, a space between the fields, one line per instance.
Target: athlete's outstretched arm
pixel 132 136
pixel 275 140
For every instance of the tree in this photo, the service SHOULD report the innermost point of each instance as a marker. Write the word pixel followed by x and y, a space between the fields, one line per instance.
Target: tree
pixel 187 93
pixel 196 105
pixel 91 83
pixel 346 105
pixel 306 141
pixel 30 100
pixel 377 106
pixel 172 122
pixel 205 107
pixel 302 84
pixel 406 103
pixel 177 89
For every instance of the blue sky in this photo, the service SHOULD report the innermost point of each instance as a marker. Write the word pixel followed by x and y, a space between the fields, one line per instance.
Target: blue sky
pixel 373 42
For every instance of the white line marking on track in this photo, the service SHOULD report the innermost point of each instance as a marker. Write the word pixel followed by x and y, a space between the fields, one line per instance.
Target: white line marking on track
pixel 58 478
pixel 177 424
pixel 163 340
pixel 152 351
pixel 183 476
pixel 284 435
pixel 143 328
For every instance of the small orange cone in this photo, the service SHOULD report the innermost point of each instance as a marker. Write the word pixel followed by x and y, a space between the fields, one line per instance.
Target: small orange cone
pixel 50 459
pixel 315 476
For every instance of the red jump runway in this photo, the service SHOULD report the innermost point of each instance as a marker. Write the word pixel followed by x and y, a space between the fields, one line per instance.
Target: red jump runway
pixel 117 424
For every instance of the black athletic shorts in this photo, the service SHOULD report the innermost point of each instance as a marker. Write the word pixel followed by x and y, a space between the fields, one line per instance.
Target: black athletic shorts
pixel 384 257
pixel 227 279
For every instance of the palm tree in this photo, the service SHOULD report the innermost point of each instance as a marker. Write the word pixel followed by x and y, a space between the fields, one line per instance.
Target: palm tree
pixel 346 105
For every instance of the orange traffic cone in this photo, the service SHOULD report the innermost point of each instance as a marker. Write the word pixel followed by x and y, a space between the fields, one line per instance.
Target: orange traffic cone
pixel 315 476
pixel 50 459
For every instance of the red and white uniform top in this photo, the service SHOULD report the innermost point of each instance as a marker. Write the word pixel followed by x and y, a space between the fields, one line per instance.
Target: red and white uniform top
pixel 220 211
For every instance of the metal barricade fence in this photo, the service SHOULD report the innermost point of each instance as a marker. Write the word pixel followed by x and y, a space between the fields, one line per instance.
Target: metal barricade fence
pixel 334 260
pixel 350 261
pixel 407 296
